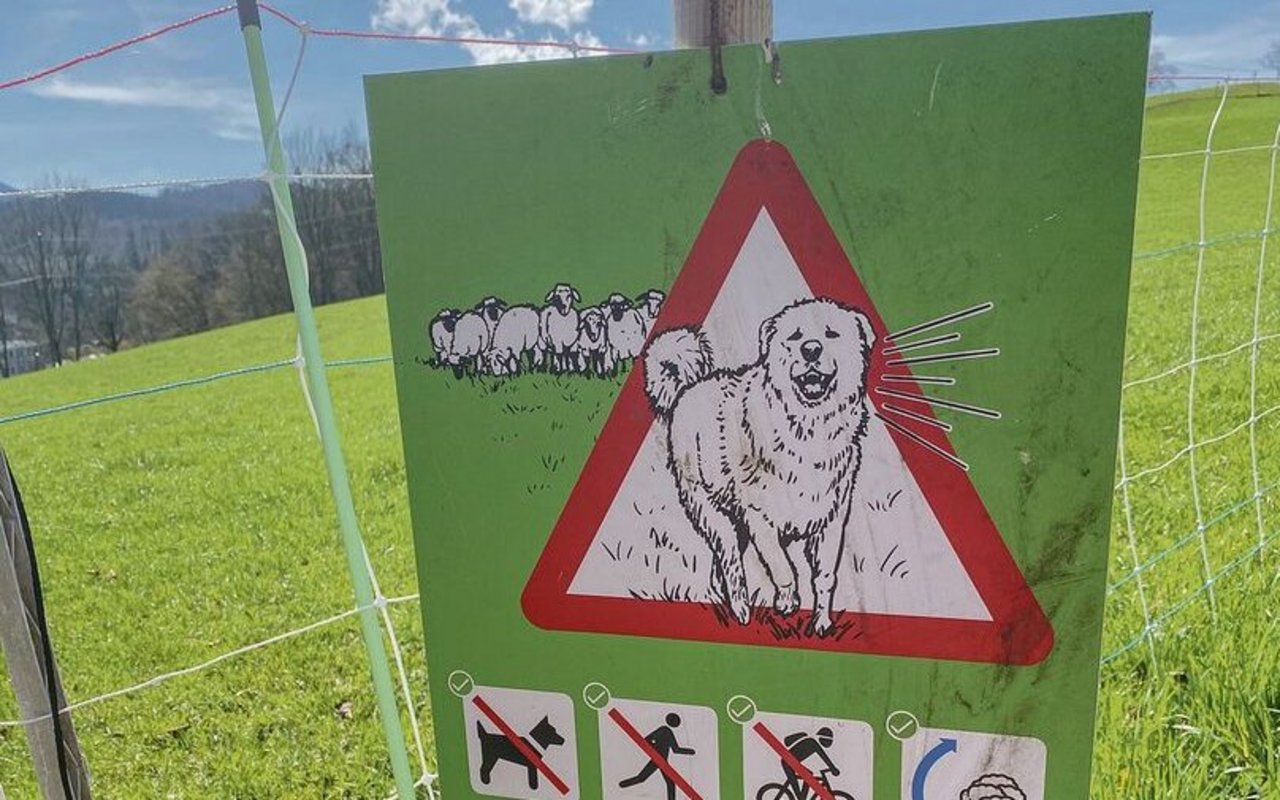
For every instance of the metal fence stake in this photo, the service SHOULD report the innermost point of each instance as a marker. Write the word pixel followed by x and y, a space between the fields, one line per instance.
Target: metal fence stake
pixel 295 259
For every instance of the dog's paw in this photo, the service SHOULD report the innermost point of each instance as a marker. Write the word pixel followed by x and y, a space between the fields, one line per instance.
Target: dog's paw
pixel 787 600
pixel 822 624
pixel 741 611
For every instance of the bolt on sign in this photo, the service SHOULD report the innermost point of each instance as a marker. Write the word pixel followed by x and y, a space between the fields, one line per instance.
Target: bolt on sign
pixel 761 444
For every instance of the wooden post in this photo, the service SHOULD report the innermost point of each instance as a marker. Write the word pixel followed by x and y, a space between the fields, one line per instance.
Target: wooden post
pixel 59 765
pixel 741 21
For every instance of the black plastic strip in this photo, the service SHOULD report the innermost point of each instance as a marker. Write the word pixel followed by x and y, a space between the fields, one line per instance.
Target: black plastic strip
pixel 249 13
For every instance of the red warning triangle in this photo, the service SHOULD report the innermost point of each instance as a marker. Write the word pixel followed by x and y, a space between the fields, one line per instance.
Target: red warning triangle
pixel 616 561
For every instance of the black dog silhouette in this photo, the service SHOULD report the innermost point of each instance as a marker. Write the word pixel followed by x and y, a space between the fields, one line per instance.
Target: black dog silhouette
pixel 495 747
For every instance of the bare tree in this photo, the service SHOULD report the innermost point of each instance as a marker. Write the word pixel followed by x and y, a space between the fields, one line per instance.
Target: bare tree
pixel 336 214
pixel 358 196
pixel 48 240
pixel 1271 58
pixel 315 208
pixel 170 298
pixel 37 284
pixel 1160 72
pixel 108 296
pixel 251 281
pixel 6 276
pixel 4 326
pixel 72 231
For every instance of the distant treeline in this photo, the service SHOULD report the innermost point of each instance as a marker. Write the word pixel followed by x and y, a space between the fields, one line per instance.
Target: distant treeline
pixel 90 272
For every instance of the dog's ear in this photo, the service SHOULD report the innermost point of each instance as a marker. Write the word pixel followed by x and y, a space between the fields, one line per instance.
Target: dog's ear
pixel 550 295
pixel 868 333
pixel 577 298
pixel 767 330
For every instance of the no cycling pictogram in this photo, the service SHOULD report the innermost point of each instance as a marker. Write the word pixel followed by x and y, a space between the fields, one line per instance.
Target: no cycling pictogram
pixel 818 787
pixel 519 744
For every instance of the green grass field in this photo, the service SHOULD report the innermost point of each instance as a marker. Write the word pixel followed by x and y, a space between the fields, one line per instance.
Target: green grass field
pixel 176 527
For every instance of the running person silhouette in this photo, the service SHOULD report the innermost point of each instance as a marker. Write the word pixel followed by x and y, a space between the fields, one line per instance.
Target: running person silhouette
pixel 802 746
pixel 663 740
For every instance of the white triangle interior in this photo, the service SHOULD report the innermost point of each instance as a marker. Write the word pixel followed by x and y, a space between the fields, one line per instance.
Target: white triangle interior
pixel 896 560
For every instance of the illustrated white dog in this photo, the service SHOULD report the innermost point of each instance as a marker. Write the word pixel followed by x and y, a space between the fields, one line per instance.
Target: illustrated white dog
pixel 768 453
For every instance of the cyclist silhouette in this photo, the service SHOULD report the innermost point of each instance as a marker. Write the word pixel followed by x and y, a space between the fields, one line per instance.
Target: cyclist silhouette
pixel 663 740
pixel 802 746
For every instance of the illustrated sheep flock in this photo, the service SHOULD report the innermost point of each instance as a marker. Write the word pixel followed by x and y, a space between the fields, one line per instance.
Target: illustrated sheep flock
pixel 562 336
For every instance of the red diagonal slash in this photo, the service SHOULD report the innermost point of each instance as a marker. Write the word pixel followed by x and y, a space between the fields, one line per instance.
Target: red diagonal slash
pixel 519 744
pixel 802 772
pixel 654 755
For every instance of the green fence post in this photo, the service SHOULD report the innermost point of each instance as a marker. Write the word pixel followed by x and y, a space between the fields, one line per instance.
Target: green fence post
pixel 295 260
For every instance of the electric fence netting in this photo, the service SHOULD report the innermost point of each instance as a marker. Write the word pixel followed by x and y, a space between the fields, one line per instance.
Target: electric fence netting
pixel 409 701
pixel 1197 465
pixel 232 596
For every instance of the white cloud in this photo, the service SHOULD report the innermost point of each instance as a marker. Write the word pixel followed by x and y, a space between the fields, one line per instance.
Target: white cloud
pixel 230 110
pixel 429 17
pixel 1235 46
pixel 561 13
pixel 444 18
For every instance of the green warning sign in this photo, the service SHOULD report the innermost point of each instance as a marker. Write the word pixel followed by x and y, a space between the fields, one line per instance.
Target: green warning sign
pixel 761 444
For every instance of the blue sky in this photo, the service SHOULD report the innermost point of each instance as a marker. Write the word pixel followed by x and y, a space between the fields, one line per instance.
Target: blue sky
pixel 179 107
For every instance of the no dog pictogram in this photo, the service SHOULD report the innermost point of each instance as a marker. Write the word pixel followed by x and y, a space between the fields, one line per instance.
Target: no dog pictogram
pixel 523 747
pixel 521 743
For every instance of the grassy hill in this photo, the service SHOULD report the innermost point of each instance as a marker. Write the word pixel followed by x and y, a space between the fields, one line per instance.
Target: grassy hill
pixel 175 527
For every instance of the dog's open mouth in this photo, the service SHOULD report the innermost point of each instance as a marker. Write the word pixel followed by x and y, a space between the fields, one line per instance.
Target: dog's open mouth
pixel 813 384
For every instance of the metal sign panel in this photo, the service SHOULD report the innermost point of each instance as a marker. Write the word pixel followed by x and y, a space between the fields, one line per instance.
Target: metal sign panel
pixel 761 444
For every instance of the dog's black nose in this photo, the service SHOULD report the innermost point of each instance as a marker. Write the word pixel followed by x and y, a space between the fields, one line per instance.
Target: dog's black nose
pixel 811 350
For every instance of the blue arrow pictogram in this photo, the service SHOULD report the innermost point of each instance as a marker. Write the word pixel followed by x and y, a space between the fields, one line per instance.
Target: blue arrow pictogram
pixel 931 758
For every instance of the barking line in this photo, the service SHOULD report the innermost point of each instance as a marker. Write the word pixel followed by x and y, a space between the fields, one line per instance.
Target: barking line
pixel 921 418
pixel 930 342
pixel 923 442
pixel 955 316
pixel 894 416
pixel 936 380
pixel 978 411
pixel 960 355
